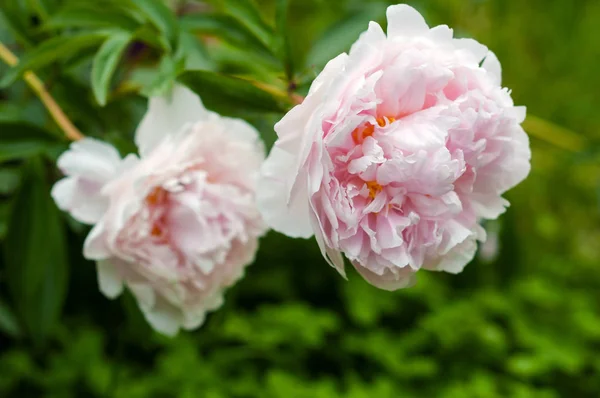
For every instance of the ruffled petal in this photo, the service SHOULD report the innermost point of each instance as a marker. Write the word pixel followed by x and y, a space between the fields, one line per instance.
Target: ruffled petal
pixel 168 115
pixel 404 20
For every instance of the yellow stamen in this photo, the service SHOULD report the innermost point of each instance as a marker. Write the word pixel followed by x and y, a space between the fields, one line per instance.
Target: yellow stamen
pixel 157 196
pixel 366 130
pixel 374 188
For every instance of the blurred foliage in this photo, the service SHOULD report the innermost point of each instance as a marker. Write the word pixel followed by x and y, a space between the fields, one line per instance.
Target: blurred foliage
pixel 523 320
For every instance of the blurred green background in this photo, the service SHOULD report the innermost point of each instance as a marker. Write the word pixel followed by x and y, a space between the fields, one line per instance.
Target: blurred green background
pixel 522 320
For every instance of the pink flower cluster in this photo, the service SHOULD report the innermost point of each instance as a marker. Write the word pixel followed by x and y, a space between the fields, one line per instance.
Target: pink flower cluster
pixel 401 148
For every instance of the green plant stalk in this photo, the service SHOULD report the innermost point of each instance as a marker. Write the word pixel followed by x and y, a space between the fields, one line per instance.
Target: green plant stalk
pixel 69 129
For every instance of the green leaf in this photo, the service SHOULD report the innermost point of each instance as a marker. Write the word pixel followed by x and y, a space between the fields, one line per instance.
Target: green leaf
pixel 105 64
pixel 193 53
pixel 247 14
pixel 14 19
pixel 90 15
pixel 10 177
pixel 20 140
pixel 226 28
pixel 158 81
pixel 35 255
pixel 160 16
pixel 8 321
pixel 339 37
pixel 51 50
pixel 230 95
pixel 283 48
pixel 4 213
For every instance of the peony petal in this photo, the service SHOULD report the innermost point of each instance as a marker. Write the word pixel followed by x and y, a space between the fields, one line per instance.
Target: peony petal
pixel 160 314
pixel 94 247
pixel 333 257
pixel 89 165
pixel 91 159
pixel 285 214
pixel 456 259
pixel 492 65
pixel 164 318
pixel 168 115
pixel 477 50
pixel 404 20
pixel 405 277
pixel 366 48
pixel 441 34
pixel 109 280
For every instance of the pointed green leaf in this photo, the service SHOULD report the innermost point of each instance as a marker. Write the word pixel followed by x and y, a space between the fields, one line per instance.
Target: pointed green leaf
pixel 245 12
pixel 226 28
pixel 158 81
pixel 230 95
pixel 105 64
pixel 283 48
pixel 10 177
pixel 193 53
pixel 35 255
pixel 161 16
pixel 21 140
pixel 89 15
pixel 52 50
pixel 8 321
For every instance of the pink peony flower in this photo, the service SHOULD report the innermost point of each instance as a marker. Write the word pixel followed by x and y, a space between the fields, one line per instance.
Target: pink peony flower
pixel 396 154
pixel 180 223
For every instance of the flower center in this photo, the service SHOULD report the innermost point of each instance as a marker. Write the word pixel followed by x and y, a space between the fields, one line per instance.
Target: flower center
pixel 374 188
pixel 366 130
pixel 156 199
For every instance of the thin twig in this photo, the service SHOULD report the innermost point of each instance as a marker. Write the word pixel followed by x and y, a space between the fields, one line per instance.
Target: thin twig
pixel 71 132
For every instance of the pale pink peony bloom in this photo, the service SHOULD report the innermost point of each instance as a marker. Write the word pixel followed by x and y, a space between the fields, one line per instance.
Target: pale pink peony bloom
pixel 398 151
pixel 179 223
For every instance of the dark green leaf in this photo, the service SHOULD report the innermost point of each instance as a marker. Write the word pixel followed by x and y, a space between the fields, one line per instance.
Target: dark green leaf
pixel 14 19
pixel 247 14
pixel 226 94
pixel 193 53
pixel 340 36
pixel 156 82
pixel 10 178
pixel 105 64
pixel 160 16
pixel 226 28
pixel 19 140
pixel 8 322
pixel 4 213
pixel 147 34
pixel 51 50
pixel 35 255
pixel 283 48
pixel 89 15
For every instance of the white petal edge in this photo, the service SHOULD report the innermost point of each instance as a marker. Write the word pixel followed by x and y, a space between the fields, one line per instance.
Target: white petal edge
pixel 109 280
pixel 161 315
pixel 90 158
pixel 404 20
pixel 168 115
pixel 388 281
pixel 94 247
pixel 477 50
pixel 288 215
pixel 492 65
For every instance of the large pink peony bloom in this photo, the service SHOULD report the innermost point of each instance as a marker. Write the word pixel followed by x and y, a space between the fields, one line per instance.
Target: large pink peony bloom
pixel 180 223
pixel 398 151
